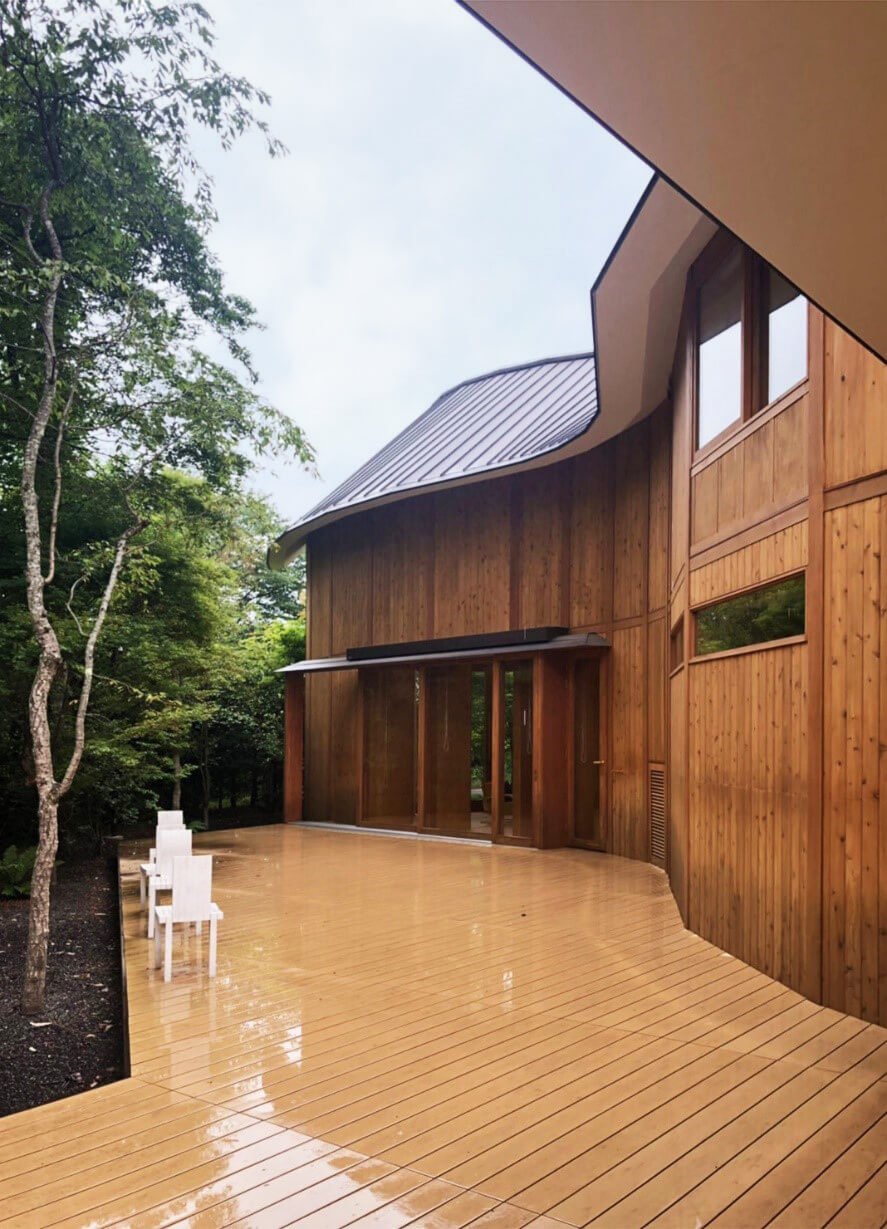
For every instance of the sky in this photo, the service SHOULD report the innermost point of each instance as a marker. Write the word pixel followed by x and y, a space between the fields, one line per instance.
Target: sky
pixel 442 212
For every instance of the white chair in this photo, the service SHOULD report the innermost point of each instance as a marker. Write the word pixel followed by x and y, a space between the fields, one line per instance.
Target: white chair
pixel 171 843
pixel 165 819
pixel 192 886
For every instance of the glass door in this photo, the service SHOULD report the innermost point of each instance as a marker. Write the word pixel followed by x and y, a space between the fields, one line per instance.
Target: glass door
pixel 517 751
pixel 589 780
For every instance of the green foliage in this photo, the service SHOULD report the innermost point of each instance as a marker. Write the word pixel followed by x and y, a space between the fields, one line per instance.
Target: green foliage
pixel 99 188
pixel 770 613
pixel 16 868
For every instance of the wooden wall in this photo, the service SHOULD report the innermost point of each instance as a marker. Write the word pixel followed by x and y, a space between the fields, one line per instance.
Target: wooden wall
pixel 748 806
pixel 775 758
pixel 854 812
pixel 741 867
pixel 778 756
pixel 563 545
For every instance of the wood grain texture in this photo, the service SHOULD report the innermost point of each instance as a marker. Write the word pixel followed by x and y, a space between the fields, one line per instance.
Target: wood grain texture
pixel 293 747
pixel 591 539
pixel 855 409
pixel 630 496
pixel 776 555
pixel 472 583
pixel 679 822
pixel 762 473
pixel 855 759
pixel 628 745
pixel 776 761
pixel 563 545
pixel 747 802
pixel 389 757
pixel 423 1033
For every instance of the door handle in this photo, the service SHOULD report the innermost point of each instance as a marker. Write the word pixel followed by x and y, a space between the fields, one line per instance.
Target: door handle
pixel 599 762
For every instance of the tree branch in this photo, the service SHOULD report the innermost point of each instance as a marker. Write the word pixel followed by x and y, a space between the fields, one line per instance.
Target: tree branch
pixel 70 608
pixel 57 492
pixel 89 656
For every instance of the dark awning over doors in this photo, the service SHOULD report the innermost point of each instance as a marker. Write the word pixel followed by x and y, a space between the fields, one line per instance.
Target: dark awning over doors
pixel 575 640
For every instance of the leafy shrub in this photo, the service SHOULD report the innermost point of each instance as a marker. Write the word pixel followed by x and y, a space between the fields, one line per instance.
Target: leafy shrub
pixel 16 869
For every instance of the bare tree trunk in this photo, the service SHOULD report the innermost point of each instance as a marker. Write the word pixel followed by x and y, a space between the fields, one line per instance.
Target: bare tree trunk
pixel 50 659
pixel 49 789
pixel 176 781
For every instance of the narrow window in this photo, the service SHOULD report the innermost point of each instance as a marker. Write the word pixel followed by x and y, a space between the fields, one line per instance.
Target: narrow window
pixel 773 612
pixel 786 311
pixel 720 349
pixel 676 654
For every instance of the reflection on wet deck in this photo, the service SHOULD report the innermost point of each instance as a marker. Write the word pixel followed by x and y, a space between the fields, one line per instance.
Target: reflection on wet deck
pixel 410 1032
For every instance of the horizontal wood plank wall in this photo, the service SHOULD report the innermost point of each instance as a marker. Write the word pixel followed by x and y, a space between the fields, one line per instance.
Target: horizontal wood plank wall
pixel 764 472
pixel 748 806
pixel 562 545
pixel 776 555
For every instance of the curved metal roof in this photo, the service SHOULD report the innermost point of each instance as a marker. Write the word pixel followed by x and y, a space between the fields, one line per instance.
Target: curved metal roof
pixel 495 421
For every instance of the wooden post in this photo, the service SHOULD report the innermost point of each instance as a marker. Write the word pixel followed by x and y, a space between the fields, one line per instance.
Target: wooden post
pixel 293 747
pixel 497 718
pixel 551 756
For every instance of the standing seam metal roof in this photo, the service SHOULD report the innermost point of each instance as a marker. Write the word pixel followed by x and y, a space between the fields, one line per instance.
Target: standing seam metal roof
pixel 505 418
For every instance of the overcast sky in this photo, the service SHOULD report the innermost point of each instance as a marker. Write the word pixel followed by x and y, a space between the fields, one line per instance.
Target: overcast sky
pixel 442 212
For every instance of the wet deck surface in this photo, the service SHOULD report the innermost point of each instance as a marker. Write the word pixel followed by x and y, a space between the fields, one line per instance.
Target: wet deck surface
pixel 410 1032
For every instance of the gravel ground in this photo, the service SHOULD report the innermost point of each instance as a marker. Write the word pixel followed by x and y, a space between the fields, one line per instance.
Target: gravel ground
pixel 77 1043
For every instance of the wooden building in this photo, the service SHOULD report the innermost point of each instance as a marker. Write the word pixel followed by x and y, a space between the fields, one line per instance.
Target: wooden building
pixel 665 568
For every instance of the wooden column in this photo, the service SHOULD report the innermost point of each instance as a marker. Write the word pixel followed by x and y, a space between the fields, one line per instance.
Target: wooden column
pixel 293 747
pixel 497 718
pixel 551 754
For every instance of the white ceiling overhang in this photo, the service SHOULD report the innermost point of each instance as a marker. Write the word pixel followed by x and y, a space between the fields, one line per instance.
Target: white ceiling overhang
pixel 636 306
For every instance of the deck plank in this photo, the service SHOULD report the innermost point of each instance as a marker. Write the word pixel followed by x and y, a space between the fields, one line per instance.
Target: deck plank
pixel 421 1033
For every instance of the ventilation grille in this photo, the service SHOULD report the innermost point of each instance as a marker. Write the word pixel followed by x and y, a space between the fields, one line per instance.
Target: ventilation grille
pixel 657 816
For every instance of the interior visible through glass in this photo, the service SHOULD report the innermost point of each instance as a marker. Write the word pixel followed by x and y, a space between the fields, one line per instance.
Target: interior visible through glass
pixel 481 749
pixel 517 810
pixel 720 349
pixel 786 335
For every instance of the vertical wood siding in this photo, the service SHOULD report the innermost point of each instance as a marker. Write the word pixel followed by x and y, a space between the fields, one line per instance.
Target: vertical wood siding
pixel 748 804
pixel 562 545
pixel 855 760
pixel 627 540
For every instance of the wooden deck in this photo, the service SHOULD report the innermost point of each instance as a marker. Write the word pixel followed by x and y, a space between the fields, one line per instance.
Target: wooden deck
pixel 410 1032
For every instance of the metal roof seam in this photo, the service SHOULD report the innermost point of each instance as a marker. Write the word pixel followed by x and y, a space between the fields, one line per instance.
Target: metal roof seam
pixel 481 425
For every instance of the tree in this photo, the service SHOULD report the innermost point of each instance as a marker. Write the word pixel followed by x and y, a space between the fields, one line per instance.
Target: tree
pixel 107 286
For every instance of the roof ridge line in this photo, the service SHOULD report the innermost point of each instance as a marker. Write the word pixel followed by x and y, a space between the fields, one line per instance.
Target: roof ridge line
pixel 503 371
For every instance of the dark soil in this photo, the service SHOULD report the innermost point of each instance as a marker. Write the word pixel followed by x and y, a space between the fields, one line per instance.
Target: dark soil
pixel 77 1042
